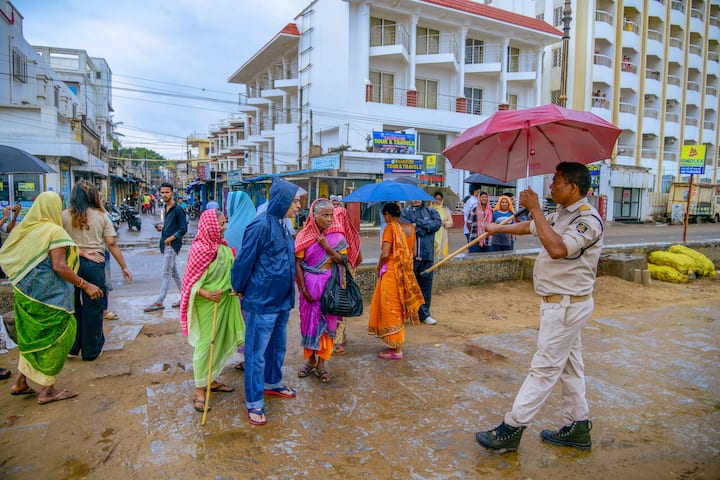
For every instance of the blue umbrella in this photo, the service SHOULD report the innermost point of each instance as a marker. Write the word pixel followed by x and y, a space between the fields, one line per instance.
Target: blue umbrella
pixel 387 191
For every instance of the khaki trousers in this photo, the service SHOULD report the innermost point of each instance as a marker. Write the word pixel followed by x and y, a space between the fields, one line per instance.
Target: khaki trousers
pixel 558 357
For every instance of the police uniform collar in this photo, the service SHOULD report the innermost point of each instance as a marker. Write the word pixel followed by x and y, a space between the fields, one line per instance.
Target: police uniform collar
pixel 574 207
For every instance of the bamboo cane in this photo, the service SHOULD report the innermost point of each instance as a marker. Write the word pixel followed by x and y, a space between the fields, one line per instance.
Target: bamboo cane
pixel 212 347
pixel 470 244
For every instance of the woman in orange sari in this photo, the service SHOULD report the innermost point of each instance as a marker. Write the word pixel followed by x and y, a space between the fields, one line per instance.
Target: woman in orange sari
pixel 397 296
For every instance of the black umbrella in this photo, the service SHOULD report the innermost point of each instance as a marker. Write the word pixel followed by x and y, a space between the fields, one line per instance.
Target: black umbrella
pixel 14 160
pixel 486 180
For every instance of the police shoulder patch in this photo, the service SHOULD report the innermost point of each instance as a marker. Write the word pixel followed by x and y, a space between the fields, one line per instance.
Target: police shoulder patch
pixel 585 207
pixel 582 227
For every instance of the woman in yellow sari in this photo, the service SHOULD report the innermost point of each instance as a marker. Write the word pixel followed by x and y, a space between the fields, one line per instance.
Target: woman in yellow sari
pixel 43 273
pixel 397 296
pixel 441 236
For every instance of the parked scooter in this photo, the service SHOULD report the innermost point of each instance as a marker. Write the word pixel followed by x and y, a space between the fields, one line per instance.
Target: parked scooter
pixel 114 215
pixel 130 215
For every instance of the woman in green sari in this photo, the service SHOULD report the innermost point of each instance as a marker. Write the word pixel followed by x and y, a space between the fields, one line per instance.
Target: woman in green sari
pixel 206 286
pixel 43 273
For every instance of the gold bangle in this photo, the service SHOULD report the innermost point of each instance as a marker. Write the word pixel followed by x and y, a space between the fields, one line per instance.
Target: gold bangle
pixel 82 282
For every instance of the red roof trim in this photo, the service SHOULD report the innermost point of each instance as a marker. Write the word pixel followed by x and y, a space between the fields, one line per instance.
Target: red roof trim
pixel 469 6
pixel 290 29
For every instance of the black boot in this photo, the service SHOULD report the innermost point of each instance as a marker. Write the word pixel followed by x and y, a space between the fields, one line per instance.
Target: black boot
pixel 503 437
pixel 576 435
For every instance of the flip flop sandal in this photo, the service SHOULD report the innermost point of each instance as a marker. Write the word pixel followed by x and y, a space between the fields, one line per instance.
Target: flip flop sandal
pixel 256 411
pixel 283 391
pixel 390 355
pixel 153 308
pixel 25 391
pixel 306 370
pixel 111 316
pixel 222 388
pixel 176 305
pixel 5 373
pixel 60 395
pixel 199 405
pixel 324 375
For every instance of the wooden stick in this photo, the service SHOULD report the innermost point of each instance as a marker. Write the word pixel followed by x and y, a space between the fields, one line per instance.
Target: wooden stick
pixel 470 244
pixel 212 347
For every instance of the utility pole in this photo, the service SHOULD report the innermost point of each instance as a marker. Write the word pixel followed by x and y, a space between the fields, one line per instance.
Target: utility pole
pixel 567 12
pixel 300 120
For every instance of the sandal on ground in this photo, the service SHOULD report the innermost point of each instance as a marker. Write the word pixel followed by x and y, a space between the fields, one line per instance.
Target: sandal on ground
pixel 259 411
pixel 58 395
pixel 240 366
pixel 390 355
pixel 339 350
pixel 221 387
pixel 199 405
pixel 154 307
pixel 25 391
pixel 110 316
pixel 282 391
pixel 5 373
pixel 323 374
pixel 176 305
pixel 306 370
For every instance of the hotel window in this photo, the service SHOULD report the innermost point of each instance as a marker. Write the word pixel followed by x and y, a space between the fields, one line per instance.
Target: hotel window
pixel 382 32
pixel 428 41
pixel 19 65
pixel 555 97
pixel 56 97
pixel 556 57
pixel 383 87
pixel 513 59
pixel 426 93
pixel 474 51
pixel 557 16
pixel 474 100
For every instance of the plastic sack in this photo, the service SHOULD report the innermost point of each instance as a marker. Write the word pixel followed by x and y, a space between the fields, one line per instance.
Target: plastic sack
pixel 706 268
pixel 666 273
pixel 681 263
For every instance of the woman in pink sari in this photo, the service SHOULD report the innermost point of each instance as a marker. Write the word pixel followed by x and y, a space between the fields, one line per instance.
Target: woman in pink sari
pixel 318 245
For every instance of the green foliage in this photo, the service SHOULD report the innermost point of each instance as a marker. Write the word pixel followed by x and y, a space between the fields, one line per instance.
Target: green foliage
pixel 140 153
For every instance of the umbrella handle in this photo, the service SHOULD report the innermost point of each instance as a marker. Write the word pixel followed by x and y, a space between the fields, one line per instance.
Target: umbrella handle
pixel 470 244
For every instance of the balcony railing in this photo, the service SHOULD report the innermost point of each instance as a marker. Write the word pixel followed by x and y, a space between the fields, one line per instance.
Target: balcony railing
pixel 673 80
pixel 714 21
pixel 627 108
pixel 285 72
pixel 672 117
pixel 388 35
pixel 708 125
pixel 655 35
pixel 605 17
pixel 677 5
pixel 652 74
pixel 630 26
pixel 600 102
pixel 676 42
pixel 487 53
pixel 436 44
pixel 399 96
pixel 603 60
pixel 670 156
pixel 629 67
pixel 690 121
pixel 696 49
pixel 650 113
pixel 661 2
pixel 714 56
pixel 694 86
pixel 626 150
pixel 697 13
pixel 648 153
pixel 710 90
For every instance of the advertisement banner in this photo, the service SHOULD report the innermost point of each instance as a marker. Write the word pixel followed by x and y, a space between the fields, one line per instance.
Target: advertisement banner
pixel 431 164
pixel 391 142
pixel 403 165
pixel 326 162
pixel 692 159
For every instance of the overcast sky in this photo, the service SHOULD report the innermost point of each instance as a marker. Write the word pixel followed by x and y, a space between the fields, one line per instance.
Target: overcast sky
pixel 183 47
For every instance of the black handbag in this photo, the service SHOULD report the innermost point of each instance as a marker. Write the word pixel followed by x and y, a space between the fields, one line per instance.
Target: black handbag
pixel 338 300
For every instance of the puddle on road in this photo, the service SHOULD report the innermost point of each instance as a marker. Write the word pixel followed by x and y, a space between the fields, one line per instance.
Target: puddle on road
pixel 483 354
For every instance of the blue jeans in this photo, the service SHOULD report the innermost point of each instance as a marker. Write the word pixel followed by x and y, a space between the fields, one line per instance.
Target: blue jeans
pixel 265 346
pixel 169 272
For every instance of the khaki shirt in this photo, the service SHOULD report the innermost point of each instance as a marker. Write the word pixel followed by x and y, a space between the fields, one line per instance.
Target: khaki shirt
pixel 93 238
pixel 579 225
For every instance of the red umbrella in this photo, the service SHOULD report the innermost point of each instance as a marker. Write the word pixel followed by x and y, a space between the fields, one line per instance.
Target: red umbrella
pixel 512 144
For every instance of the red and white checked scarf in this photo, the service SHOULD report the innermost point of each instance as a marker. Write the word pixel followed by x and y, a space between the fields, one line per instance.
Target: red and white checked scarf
pixel 341 223
pixel 202 253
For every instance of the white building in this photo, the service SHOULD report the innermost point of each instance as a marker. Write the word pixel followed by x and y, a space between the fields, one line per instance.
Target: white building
pixel 347 70
pixel 652 68
pixel 55 104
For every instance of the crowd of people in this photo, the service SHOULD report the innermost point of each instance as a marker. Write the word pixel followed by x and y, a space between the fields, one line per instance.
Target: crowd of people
pixel 239 287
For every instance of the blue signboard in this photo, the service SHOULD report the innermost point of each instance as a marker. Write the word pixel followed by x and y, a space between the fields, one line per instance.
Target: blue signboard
pixel 391 142
pixel 403 165
pixel 326 162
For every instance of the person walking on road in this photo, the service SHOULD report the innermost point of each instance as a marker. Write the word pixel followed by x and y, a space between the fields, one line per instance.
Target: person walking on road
pixel 426 222
pixel 172 232
pixel 264 275
pixel 564 277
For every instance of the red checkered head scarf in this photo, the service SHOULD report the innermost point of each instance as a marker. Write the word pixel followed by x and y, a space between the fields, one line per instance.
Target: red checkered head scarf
pixel 202 253
pixel 341 220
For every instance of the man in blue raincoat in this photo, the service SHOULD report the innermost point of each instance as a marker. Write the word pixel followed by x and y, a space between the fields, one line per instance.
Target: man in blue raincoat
pixel 264 275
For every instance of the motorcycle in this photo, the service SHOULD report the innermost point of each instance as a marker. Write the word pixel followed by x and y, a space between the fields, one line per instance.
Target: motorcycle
pixel 131 216
pixel 193 211
pixel 114 215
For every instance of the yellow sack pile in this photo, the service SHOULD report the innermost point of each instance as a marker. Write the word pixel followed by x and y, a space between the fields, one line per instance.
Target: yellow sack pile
pixel 678 261
pixel 666 273
pixel 704 266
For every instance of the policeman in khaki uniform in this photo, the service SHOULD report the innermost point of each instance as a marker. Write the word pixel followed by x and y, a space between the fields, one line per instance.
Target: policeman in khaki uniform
pixel 564 276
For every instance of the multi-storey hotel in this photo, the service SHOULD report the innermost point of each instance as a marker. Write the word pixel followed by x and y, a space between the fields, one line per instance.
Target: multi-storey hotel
pixel 652 68
pixel 345 73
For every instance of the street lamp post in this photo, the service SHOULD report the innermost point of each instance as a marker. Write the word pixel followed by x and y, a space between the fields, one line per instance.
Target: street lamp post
pixel 567 17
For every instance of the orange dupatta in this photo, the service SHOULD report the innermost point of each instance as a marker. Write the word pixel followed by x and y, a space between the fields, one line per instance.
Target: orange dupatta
pixel 411 297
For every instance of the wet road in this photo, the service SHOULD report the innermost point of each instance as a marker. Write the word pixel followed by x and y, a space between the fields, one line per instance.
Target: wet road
pixel 654 390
